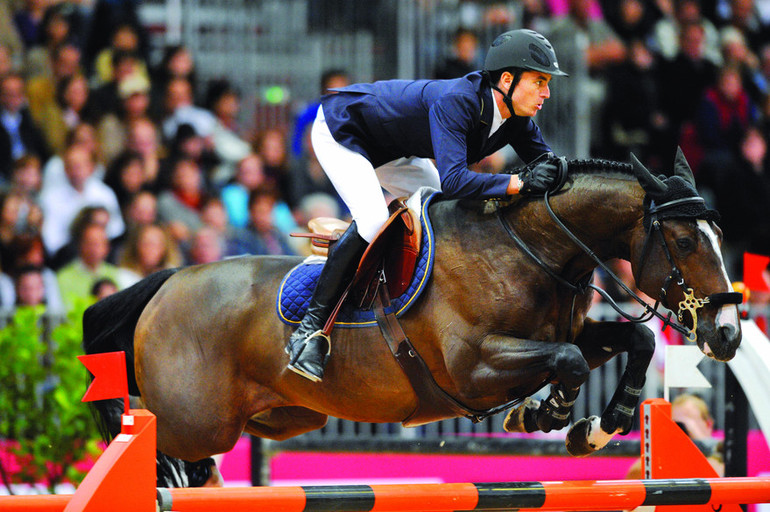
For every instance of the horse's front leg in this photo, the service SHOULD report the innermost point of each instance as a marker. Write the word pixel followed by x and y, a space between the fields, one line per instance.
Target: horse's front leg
pixel 600 342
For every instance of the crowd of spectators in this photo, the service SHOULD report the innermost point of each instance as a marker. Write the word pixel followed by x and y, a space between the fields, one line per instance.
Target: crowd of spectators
pixel 113 166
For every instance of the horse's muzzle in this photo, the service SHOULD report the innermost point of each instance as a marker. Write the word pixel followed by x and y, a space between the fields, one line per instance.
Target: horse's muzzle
pixel 726 340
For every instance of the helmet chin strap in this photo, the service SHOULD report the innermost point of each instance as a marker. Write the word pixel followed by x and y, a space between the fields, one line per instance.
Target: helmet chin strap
pixel 506 97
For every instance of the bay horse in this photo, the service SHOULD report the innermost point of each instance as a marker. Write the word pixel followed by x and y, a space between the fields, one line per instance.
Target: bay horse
pixel 503 314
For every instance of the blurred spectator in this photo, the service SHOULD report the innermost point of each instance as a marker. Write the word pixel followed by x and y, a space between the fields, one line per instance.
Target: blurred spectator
pixel 7 64
pixel 55 30
pixel 235 240
pixel 744 17
pixel 149 248
pixel 266 237
pixel 586 41
pixel 668 32
pixel 536 15
pixel 106 97
pixel 41 89
pixel 124 39
pixel 724 114
pixel 113 127
pixel 61 203
pixel 28 252
pixel 179 208
pixel 206 246
pixel 464 58
pixel 142 209
pixel 180 109
pixel 9 36
pixel 29 287
pixel 106 17
pixel 84 135
pixel 26 177
pixel 87 215
pixel 103 287
pixel 631 20
pixel 177 62
pixel 224 101
pixel 19 135
pixel 28 19
pixel 743 200
pixel 144 139
pixel 189 144
pixel 317 204
pixel 77 278
pixel 737 53
pixel 72 106
pixel 18 215
pixel 271 145
pixel 235 196
pixel 693 73
pixel 633 120
pixel 125 176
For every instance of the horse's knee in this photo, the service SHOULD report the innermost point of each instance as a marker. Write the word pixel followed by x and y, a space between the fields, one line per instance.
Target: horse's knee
pixel 571 367
pixel 643 342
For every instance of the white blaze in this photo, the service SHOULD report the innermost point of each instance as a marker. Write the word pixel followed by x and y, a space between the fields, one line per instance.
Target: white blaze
pixel 728 314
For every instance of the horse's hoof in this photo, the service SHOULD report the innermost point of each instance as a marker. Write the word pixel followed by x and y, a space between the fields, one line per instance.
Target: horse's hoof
pixel 578 444
pixel 518 420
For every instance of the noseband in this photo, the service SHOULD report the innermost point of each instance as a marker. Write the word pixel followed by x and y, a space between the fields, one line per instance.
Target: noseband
pixel 689 303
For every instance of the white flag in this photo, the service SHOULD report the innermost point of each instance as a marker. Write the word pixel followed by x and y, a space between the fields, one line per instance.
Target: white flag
pixel 681 370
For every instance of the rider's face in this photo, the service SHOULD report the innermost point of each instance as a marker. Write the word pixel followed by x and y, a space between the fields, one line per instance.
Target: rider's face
pixel 530 93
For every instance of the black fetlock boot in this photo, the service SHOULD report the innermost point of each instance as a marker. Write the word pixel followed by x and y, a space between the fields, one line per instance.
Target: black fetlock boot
pixel 308 347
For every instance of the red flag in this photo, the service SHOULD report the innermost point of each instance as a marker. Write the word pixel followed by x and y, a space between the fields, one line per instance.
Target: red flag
pixel 754 266
pixel 110 381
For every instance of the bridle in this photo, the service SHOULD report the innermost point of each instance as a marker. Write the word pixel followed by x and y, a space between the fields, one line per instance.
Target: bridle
pixel 690 303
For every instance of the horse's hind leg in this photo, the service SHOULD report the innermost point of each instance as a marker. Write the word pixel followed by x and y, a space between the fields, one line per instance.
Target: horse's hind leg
pixel 601 341
pixel 285 422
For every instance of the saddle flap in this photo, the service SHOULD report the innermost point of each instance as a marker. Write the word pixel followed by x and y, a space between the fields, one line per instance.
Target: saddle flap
pixel 395 250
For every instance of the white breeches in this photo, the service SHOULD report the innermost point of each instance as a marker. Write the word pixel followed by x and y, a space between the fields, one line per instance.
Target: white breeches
pixel 360 185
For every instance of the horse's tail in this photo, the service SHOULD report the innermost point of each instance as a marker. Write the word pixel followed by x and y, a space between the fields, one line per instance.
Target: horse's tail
pixel 108 326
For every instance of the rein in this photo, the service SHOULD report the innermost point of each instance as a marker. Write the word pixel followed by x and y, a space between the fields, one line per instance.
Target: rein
pixel 690 303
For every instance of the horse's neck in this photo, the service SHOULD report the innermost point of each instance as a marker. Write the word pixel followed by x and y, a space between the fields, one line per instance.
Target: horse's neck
pixel 601 212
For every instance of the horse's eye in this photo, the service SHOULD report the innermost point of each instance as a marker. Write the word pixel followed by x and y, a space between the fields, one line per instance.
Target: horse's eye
pixel 685 244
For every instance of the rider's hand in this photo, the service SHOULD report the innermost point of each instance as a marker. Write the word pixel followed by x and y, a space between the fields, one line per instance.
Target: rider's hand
pixel 541 176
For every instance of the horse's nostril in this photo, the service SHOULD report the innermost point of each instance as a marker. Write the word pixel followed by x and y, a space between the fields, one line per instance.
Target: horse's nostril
pixel 727 333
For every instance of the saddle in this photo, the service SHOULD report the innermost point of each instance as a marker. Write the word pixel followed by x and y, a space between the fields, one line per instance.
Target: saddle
pixel 392 254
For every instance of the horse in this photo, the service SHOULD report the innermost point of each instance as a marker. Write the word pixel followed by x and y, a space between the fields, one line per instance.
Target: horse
pixel 503 314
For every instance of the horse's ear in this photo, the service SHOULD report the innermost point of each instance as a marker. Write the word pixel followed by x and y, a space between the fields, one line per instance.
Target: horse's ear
pixel 649 183
pixel 682 168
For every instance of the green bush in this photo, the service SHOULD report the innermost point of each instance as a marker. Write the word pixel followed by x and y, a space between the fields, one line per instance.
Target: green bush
pixel 42 420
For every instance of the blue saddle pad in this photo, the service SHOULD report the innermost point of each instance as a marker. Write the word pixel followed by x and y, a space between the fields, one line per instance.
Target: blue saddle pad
pixel 298 284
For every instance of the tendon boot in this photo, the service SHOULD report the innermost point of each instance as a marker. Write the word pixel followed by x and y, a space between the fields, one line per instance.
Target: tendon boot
pixel 309 348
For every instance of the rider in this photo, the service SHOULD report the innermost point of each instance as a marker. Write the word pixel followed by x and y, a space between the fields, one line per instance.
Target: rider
pixel 382 135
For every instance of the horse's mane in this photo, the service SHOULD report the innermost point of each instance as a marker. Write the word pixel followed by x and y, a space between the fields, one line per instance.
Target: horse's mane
pixel 599 167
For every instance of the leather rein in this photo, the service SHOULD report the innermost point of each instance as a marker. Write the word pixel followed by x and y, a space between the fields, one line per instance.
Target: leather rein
pixel 689 303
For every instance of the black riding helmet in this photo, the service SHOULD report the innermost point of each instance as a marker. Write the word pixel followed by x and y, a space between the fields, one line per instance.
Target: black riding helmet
pixel 523 49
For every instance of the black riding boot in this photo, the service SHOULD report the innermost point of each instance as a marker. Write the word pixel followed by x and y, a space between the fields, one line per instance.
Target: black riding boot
pixel 308 347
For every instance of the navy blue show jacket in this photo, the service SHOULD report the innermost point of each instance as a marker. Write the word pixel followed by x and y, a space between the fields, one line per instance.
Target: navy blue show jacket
pixel 448 120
